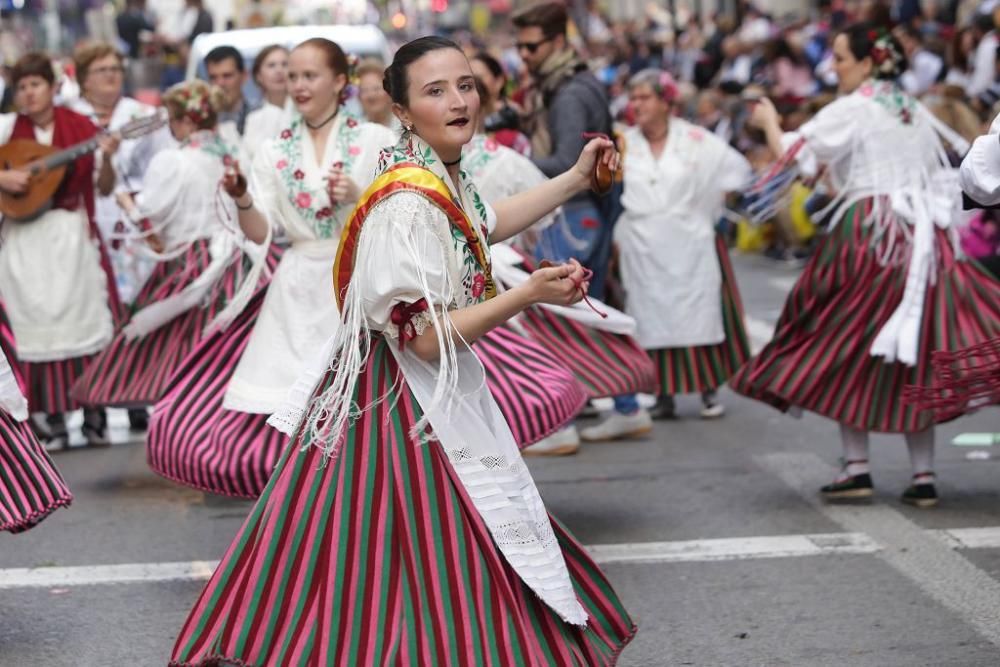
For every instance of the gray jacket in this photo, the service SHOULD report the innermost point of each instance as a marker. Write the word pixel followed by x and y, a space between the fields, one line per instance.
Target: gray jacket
pixel 579 106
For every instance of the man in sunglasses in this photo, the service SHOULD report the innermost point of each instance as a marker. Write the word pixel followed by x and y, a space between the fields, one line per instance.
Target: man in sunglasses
pixel 565 102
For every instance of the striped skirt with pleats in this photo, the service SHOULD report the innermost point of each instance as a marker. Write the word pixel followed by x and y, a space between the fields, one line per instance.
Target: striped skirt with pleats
pixel 696 369
pixel 135 373
pixel 30 486
pixel 379 557
pixel 820 359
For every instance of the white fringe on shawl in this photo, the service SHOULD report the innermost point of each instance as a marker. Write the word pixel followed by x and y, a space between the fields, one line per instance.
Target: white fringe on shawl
pixel 12 401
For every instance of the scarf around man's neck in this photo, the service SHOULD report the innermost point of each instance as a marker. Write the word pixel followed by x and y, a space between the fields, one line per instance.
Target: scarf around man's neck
pixel 554 72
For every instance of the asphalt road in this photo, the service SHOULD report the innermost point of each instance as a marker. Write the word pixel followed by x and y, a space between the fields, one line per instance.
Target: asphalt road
pixel 710 531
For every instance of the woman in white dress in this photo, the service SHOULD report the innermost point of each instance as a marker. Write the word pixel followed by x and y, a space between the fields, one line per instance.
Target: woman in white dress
pixel 675 269
pixel 270 73
pixel 209 430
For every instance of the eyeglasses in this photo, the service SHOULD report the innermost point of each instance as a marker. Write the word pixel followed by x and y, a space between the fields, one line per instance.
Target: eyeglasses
pixel 531 47
pixel 107 70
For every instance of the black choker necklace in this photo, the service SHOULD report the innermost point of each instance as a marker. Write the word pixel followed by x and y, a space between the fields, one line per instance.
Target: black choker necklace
pixel 317 127
pixel 451 164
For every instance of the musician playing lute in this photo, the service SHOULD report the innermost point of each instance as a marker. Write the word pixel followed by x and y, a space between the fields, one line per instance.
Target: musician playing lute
pixel 55 276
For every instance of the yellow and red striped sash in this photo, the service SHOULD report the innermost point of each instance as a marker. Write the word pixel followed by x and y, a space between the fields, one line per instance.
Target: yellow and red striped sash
pixel 412 178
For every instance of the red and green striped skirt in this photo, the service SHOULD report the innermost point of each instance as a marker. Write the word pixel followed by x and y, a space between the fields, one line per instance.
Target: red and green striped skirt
pixel 697 369
pixel 379 557
pixel 30 486
pixel 820 359
pixel 131 373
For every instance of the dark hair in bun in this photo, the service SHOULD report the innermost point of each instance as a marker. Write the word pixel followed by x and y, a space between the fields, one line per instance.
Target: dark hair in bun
pixel 396 81
pixel 867 40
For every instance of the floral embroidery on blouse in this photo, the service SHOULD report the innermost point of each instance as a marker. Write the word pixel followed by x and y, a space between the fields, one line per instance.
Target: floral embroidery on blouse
pixel 211 143
pixel 890 97
pixel 472 274
pixel 303 197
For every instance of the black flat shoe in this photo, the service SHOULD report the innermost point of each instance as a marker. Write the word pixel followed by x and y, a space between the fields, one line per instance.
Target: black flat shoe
pixel 921 495
pixel 854 488
pixel 138 419
pixel 664 408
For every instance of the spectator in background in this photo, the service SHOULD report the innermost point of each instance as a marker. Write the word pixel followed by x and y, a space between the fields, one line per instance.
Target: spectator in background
pixel 959 55
pixel 984 61
pixel 503 120
pixel 375 102
pixel 789 74
pixel 132 22
pixel 565 102
pixel 925 67
pixel 270 73
pixel 225 68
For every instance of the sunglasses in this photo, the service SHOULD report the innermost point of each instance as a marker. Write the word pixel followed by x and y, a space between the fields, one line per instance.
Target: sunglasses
pixel 531 47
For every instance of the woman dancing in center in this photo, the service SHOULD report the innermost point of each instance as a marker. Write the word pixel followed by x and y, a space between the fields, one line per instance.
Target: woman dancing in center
pixel 401 526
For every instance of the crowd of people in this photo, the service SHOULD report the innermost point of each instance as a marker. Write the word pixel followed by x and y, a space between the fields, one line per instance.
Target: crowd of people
pixel 507 243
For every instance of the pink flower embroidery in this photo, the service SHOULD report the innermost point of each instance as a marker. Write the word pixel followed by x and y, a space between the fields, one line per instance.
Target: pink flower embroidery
pixel 867 90
pixel 303 200
pixel 281 164
pixel 227 160
pixel 195 144
pixel 354 150
pixel 299 175
pixel 286 134
pixel 324 212
pixel 491 145
pixel 478 285
pixel 351 122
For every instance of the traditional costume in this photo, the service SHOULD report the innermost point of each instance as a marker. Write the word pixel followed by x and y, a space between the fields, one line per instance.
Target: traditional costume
pixel 30 486
pixel 401 525
pixel 209 430
pixel 55 274
pixel 202 281
pixel 133 157
pixel 675 269
pixel 884 290
pixel 265 123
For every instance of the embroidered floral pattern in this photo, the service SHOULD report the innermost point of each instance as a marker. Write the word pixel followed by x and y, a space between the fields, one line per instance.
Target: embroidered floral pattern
pixel 209 142
pixel 308 200
pixel 891 98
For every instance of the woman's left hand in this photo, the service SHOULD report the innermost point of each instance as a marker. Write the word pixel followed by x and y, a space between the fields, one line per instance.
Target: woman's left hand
pixel 341 187
pixel 108 144
pixel 599 148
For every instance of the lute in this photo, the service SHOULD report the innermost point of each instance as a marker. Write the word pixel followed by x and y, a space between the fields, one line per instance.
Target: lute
pixel 47 167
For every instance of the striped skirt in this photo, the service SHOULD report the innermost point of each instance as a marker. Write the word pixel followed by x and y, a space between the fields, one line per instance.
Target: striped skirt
pixel 819 359
pixel 194 441
pixel 135 373
pixel 690 370
pixel 379 557
pixel 537 394
pixel 30 486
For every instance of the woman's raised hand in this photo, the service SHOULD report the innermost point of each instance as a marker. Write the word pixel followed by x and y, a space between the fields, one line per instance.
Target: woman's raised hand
pixel 341 187
pixel 233 181
pixel 763 114
pixel 598 163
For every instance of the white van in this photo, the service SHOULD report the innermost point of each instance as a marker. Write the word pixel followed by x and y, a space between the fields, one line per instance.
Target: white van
pixel 361 40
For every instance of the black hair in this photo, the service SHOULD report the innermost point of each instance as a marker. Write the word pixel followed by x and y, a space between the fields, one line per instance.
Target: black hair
pixel 861 39
pixel 223 53
pixel 396 80
pixel 494 66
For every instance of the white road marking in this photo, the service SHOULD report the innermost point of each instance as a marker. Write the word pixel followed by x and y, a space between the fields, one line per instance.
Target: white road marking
pixel 927 558
pixel 738 548
pixel 685 551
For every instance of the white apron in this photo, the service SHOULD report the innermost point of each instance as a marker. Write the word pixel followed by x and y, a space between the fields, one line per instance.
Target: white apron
pixel 52 283
pixel 666 235
pixel 299 312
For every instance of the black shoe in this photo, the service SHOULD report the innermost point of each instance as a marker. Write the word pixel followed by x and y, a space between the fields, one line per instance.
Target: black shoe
pixel 56 436
pixel 664 408
pixel 95 428
pixel 857 487
pixel 138 419
pixel 921 495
